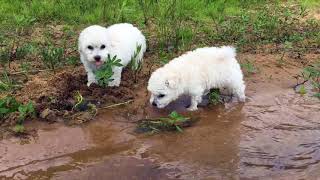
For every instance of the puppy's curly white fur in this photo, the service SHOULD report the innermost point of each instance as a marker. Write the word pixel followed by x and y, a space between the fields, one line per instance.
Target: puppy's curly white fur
pixel 194 74
pixel 96 42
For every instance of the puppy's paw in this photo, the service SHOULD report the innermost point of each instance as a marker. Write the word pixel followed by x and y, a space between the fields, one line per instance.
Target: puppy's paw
pixel 192 108
pixel 114 83
pixel 91 82
pixel 242 99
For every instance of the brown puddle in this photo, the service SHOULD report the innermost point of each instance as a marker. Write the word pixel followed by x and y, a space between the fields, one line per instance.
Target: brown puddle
pixel 274 135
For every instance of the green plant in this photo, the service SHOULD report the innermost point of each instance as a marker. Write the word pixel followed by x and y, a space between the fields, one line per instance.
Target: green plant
pixel 214 96
pixel 302 90
pixel 79 100
pixel 25 111
pixel 6 83
pixel 310 74
pixel 174 121
pixel 287 47
pixel 317 95
pixel 52 56
pixel 248 67
pixel 10 105
pixel 104 73
pixel 5 54
pixel 25 67
pixel 24 50
pixel 72 60
pixel 135 63
pixel 18 129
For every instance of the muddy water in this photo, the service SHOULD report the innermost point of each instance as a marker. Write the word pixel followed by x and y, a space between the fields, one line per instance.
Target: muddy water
pixel 274 135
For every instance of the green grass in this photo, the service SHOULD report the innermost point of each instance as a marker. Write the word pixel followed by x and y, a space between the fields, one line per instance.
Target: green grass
pixel 177 24
pixel 313 4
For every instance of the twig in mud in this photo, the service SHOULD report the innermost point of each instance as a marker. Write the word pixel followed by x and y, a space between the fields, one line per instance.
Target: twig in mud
pixel 298 84
pixel 115 105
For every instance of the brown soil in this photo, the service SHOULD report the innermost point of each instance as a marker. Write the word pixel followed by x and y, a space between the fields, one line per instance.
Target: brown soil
pixel 54 96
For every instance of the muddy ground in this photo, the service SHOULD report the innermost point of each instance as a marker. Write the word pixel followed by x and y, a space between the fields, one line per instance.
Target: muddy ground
pixel 274 135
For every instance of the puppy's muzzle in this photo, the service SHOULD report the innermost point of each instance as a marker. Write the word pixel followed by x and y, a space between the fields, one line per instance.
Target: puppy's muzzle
pixel 154 104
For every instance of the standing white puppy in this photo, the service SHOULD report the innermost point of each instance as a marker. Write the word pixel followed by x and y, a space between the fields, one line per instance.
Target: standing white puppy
pixel 194 74
pixel 96 42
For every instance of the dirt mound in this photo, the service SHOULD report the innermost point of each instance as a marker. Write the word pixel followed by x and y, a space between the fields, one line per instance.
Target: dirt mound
pixel 56 95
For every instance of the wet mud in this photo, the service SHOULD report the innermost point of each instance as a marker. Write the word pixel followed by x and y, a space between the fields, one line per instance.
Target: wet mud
pixel 274 135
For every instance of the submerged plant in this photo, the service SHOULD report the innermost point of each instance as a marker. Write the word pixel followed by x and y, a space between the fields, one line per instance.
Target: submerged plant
pixel 104 74
pixel 174 122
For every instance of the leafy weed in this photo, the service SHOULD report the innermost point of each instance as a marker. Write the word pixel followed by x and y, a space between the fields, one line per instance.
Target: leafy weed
pixel 105 73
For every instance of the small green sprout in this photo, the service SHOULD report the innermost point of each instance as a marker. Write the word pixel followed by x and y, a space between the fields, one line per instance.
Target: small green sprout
pixel 18 129
pixel 52 56
pixel 302 90
pixel 214 96
pixel 135 64
pixel 249 67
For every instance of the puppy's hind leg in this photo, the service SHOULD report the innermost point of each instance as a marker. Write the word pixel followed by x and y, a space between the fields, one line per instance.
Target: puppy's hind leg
pixel 116 76
pixel 238 89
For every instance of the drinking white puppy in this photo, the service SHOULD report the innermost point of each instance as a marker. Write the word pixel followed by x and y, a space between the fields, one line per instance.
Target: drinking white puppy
pixel 194 74
pixel 96 42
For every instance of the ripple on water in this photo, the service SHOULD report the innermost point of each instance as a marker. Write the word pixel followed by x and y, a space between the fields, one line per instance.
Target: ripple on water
pixel 285 139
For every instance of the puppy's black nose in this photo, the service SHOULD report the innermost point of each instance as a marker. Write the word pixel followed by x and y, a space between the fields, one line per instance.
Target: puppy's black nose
pixel 154 104
pixel 97 58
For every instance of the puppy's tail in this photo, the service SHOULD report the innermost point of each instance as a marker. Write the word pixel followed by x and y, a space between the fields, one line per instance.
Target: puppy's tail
pixel 227 52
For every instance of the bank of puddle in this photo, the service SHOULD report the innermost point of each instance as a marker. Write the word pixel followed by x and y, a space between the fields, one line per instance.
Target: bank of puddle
pixel 274 135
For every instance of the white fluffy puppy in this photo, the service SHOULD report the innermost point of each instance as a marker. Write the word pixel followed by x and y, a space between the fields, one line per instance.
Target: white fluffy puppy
pixel 96 42
pixel 194 74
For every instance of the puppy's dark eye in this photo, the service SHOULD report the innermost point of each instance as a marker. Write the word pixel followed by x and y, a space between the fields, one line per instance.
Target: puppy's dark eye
pixel 161 95
pixel 103 46
pixel 90 47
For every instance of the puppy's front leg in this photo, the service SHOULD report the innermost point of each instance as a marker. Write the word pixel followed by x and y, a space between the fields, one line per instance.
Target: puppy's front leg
pixel 195 99
pixel 91 78
pixel 116 77
pixel 90 75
